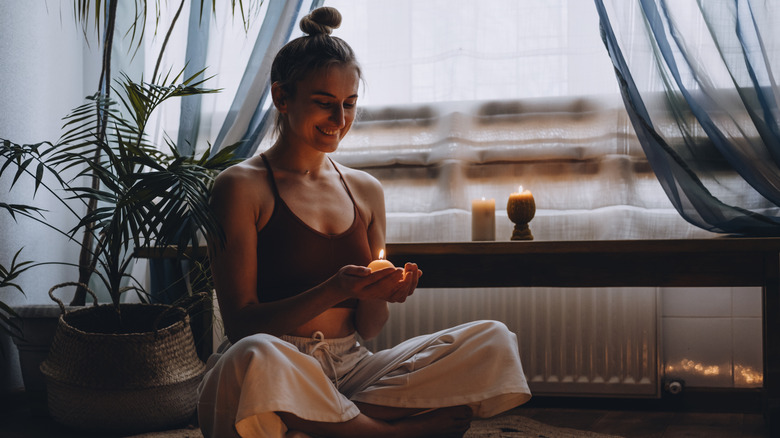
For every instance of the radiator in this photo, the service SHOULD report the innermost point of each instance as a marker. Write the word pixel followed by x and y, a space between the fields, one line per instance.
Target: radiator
pixel 572 342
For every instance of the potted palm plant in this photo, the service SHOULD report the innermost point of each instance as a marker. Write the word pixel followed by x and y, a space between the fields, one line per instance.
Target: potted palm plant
pixel 109 364
pixel 146 198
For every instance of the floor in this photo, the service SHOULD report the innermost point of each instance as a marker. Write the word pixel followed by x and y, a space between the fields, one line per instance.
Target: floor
pixel 651 424
pixel 17 421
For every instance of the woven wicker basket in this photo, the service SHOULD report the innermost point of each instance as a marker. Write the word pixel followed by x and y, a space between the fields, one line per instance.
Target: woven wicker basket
pixel 123 379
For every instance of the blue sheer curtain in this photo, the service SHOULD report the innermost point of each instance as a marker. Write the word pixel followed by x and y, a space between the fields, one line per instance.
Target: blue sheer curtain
pixel 168 277
pixel 699 82
pixel 195 56
pixel 249 119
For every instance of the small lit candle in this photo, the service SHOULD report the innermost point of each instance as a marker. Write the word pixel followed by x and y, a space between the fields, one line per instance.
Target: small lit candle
pixel 380 263
pixel 483 219
pixel 521 208
pixel 521 195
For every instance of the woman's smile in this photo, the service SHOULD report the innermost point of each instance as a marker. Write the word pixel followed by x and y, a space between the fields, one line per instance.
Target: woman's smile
pixel 328 132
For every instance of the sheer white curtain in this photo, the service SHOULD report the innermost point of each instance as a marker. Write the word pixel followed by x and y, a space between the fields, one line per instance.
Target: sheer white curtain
pixel 471 99
pixel 441 51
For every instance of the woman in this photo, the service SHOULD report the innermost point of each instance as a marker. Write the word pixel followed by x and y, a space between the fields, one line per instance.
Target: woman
pixel 294 290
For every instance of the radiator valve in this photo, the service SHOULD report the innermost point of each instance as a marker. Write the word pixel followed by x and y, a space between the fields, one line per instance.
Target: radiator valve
pixel 674 386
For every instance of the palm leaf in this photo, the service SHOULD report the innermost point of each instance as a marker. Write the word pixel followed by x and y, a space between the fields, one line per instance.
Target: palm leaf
pixel 10 274
pixel 24 210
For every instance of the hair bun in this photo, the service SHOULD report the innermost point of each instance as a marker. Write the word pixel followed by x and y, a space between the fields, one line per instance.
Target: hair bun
pixel 321 21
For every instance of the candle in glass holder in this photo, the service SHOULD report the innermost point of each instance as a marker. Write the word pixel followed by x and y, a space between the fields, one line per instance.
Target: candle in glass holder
pixel 521 208
pixel 483 219
pixel 380 263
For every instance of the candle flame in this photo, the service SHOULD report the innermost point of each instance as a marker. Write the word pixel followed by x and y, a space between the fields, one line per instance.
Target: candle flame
pixel 381 254
pixel 483 198
pixel 520 189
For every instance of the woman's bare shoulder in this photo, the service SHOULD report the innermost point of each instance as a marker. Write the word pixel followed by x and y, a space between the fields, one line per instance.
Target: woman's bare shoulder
pixel 249 168
pixel 360 180
pixel 241 176
pixel 243 184
pixel 368 193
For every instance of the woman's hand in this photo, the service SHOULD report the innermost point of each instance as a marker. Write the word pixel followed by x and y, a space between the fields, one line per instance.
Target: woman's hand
pixel 408 283
pixel 393 285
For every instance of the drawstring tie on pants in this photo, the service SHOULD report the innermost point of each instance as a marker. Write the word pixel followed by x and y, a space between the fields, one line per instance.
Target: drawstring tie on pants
pixel 323 346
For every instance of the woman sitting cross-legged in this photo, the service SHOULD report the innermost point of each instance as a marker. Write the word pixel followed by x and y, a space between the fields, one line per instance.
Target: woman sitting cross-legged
pixel 294 290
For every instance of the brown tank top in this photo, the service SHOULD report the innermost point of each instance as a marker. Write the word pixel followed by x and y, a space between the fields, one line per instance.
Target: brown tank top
pixel 293 257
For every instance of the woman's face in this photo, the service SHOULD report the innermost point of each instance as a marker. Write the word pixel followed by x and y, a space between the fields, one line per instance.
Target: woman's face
pixel 322 110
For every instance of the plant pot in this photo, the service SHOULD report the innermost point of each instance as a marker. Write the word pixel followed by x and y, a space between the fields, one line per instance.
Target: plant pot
pixel 38 324
pixel 133 376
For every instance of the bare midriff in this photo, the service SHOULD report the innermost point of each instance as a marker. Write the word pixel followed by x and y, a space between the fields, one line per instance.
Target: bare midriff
pixel 336 322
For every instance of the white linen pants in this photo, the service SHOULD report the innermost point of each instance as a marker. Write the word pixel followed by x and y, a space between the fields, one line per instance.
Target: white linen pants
pixel 475 364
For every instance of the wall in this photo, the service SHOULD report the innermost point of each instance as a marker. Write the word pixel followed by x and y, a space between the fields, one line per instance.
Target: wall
pixel 712 336
pixel 46 70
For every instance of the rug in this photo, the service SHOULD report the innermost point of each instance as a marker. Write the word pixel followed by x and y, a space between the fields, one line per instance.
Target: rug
pixel 506 426
pixel 188 432
pixel 518 426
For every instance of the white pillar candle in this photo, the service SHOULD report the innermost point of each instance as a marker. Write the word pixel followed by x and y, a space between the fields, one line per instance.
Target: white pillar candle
pixel 483 219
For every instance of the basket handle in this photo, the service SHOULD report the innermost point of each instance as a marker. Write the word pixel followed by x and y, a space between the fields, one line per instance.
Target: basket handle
pixel 70 283
pixel 185 305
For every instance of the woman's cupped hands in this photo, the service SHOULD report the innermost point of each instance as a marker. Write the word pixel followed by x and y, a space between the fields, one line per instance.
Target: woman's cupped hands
pixel 393 285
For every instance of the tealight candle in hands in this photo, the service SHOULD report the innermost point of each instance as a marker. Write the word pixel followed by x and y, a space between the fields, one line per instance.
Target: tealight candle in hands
pixel 380 263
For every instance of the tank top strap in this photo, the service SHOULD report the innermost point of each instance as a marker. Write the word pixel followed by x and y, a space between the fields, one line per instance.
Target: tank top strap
pixel 344 182
pixel 271 178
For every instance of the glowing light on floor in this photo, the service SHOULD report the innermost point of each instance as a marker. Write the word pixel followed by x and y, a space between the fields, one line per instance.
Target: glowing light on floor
pixel 743 374
pixel 689 366
pixel 746 375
